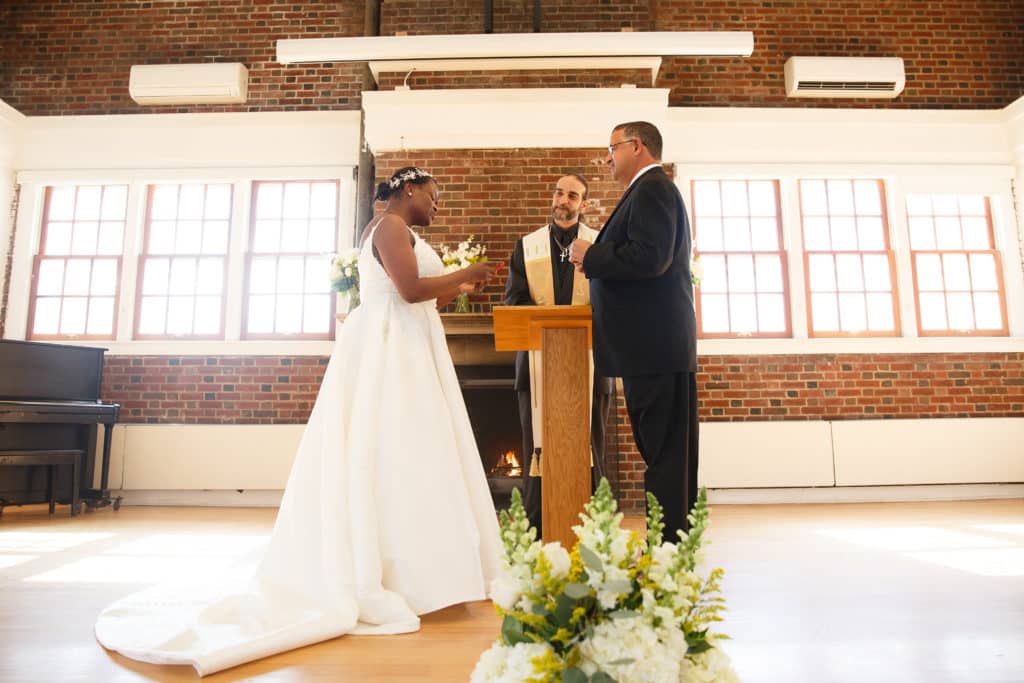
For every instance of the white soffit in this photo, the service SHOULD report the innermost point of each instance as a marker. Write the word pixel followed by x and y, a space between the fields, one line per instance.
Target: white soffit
pixel 504 118
pixel 516 45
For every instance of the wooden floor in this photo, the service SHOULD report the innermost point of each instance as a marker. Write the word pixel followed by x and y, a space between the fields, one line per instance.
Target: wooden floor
pixel 900 593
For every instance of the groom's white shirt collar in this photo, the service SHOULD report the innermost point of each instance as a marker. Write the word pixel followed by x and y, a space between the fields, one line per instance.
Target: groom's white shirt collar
pixel 639 173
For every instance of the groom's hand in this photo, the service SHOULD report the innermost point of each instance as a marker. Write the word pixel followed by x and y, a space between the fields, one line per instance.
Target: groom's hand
pixel 577 250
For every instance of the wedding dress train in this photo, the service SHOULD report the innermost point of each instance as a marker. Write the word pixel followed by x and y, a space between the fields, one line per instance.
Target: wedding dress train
pixel 386 514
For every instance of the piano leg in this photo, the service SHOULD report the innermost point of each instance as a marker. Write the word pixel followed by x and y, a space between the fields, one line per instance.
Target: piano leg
pixel 101 498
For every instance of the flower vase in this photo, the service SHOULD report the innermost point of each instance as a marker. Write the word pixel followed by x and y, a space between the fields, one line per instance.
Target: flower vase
pixel 462 303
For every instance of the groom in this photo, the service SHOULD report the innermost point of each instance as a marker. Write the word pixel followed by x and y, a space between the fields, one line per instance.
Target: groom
pixel 644 321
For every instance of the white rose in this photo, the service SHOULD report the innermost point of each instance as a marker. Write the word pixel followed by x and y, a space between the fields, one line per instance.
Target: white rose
pixel 504 591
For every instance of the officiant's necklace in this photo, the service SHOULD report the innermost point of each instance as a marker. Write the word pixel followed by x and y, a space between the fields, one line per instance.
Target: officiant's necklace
pixel 564 251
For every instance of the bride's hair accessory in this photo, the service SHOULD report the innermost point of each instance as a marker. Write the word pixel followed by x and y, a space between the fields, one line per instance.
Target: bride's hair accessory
pixel 407 174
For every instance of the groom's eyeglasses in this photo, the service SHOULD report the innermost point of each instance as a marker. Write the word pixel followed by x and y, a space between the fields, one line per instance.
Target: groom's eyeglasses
pixel 611 147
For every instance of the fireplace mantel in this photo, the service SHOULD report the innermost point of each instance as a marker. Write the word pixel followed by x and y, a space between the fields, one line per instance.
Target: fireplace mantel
pixel 470 339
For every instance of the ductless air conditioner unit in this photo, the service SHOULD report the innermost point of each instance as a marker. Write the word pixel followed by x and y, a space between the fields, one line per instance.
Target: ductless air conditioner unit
pixel 223 83
pixel 844 77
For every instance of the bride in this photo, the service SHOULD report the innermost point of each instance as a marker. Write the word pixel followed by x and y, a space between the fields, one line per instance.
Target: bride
pixel 386 514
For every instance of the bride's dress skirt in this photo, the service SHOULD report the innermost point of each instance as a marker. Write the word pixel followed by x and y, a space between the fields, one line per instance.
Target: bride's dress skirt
pixel 386 514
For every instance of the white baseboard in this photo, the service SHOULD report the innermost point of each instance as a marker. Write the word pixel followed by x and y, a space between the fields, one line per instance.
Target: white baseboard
pixel 253 498
pixel 865 494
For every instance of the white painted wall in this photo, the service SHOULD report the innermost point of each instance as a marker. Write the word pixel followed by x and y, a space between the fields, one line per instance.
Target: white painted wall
pixel 11 122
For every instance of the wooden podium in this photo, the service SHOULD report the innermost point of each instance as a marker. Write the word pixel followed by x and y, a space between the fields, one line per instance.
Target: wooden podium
pixel 563 336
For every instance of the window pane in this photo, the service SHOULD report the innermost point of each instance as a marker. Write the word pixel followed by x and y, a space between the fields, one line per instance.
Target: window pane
pixel 266 236
pixel 164 203
pixel 762 199
pixel 179 315
pixel 321 236
pixel 706 199
pixel 47 316
pixel 293 235
pixel 207 316
pixel 816 234
pixel 987 313
pixel 840 198
pixel 87 204
pixel 188 237
pixel 947 233
pixel 289 314
pixel 263 276
pixel 101 316
pixel 210 276
pixel 844 233
pixel 919 205
pixel 880 317
pixel 296 200
pixel 153 313
pixel 58 239
pixel 960 306
pixel 290 275
pixel 190 202
pixel 848 273
pixel 104 278
pixel 316 317
pixel 261 314
pixel 866 198
pixel 156 273
pixel 737 234
pixel 62 204
pixel 983 272
pixel 268 200
pixel 316 279
pixel 743 312
pixel 741 273
pixel 972 205
pixel 323 200
pixel 929 272
pixel 84 238
pixel 764 234
pixel 955 272
pixel 215 237
pixel 51 277
pixel 218 202
pixel 161 237
pixel 852 314
pixel 72 315
pixel 922 233
pixel 822 273
pixel 115 203
pixel 714 312
pixel 111 238
pixel 933 311
pixel 76 279
pixel 870 234
pixel 975 232
pixel 771 312
pixel 945 205
pixel 709 234
pixel 825 312
pixel 812 197
pixel 769 273
pixel 734 198
pixel 714 279
pixel 876 273
pixel 183 279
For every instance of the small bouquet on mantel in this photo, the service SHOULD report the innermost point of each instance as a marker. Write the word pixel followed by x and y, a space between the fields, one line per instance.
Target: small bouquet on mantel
pixel 463 255
pixel 344 275
pixel 619 608
pixel 696 270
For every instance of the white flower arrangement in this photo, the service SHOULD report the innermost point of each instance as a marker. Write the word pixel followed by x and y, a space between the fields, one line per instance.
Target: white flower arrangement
pixel 344 274
pixel 465 254
pixel 619 608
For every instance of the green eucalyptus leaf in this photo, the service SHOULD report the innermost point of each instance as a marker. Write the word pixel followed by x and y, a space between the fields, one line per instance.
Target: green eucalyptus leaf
pixel 590 558
pixel 512 631
pixel 624 614
pixel 573 675
pixel 618 586
pixel 601 677
pixel 623 661
pixel 577 590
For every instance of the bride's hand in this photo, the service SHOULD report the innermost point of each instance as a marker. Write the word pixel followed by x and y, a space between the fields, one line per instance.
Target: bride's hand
pixel 481 273
pixel 469 288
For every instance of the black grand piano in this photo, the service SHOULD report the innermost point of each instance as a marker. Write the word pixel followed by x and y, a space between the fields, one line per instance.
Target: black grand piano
pixel 49 411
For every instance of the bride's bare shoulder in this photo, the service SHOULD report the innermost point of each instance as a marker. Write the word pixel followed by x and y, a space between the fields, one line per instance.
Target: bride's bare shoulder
pixel 385 223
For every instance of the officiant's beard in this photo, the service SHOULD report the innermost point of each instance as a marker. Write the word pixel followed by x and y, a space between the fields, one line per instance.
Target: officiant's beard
pixel 564 215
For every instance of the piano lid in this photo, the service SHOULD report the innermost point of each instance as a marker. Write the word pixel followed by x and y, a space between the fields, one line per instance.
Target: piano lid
pixel 49 372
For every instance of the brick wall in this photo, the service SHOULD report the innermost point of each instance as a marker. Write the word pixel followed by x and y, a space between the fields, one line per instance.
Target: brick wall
pixel 73 56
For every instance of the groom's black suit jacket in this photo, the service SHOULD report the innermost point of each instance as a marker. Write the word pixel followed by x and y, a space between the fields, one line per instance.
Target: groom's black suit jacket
pixel 640 287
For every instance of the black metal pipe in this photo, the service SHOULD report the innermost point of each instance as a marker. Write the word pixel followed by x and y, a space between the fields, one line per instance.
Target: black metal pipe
pixel 536 16
pixel 488 16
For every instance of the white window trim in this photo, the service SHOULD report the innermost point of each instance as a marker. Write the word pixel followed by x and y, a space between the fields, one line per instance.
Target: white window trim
pixel 29 225
pixel 900 180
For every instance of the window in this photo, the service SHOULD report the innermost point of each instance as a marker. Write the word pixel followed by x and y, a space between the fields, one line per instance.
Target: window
pixel 183 262
pixel 77 270
pixel 957 275
pixel 294 231
pixel 738 238
pixel 850 269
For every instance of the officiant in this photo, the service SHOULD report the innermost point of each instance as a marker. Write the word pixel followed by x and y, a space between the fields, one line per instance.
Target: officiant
pixel 540 274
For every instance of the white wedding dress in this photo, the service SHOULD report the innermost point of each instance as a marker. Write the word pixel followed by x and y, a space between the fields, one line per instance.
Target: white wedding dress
pixel 386 514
